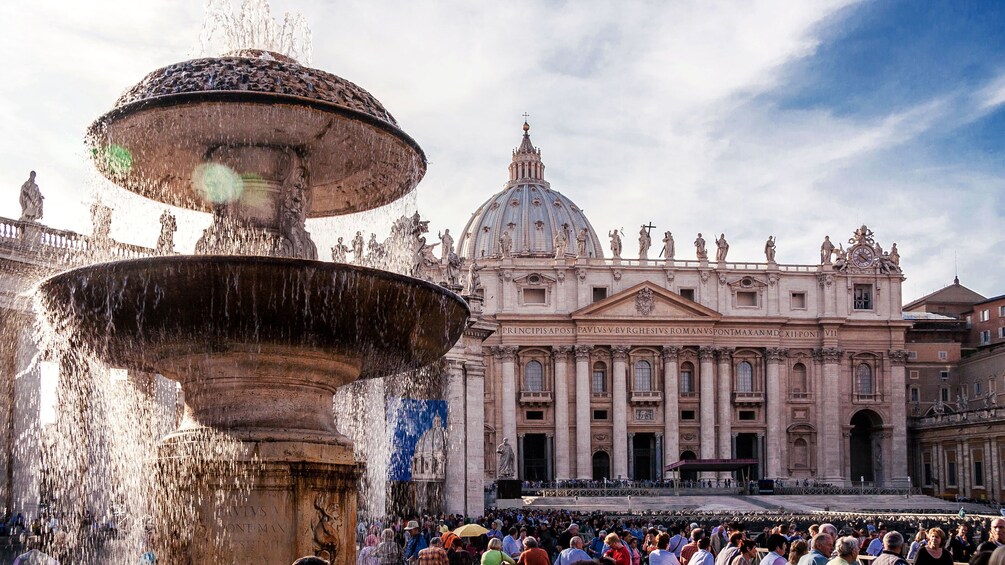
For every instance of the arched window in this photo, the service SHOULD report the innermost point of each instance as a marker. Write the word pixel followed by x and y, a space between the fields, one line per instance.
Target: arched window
pixel 864 380
pixel 643 376
pixel 599 378
pixel 744 377
pixel 800 454
pixel 797 383
pixel 687 378
pixel 915 394
pixel 534 376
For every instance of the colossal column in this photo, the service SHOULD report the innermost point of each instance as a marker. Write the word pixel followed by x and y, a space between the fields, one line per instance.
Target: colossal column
pixel 509 403
pixel 774 405
pixel 456 440
pixel 584 462
pixel 671 410
pixel 561 452
pixel 475 439
pixel 706 357
pixel 725 403
pixel 898 413
pixel 833 467
pixel 620 408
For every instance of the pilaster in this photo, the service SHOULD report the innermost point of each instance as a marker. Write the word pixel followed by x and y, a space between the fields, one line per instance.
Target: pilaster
pixel 774 405
pixel 619 399
pixel 671 406
pixel 706 378
pixel 725 403
pixel 584 452
pixel 561 356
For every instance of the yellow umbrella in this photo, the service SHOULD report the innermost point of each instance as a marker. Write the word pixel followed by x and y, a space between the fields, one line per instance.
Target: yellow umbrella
pixel 470 531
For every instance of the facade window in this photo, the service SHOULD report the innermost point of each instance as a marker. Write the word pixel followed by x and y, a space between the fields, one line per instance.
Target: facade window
pixel 687 415
pixel 599 378
pixel 798 301
pixel 978 473
pixel 687 293
pixel 977 388
pixel 599 293
pixel 863 379
pixel 687 379
pixel 944 394
pixel 914 374
pixel 1001 333
pixel 1001 311
pixel 985 337
pixel 915 394
pixel 985 315
pixel 800 453
pixel 798 381
pixel 747 415
pixel 534 376
pixel 746 299
pixel 944 375
pixel 912 354
pixel 600 414
pixel 535 415
pixel 744 377
pixel 943 355
pixel 951 472
pixel 643 376
pixel 863 297
pixel 534 296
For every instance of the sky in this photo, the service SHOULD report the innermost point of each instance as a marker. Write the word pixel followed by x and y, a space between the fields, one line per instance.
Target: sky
pixel 753 118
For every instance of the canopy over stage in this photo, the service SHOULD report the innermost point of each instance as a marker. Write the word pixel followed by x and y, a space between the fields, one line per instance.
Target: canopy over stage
pixel 711 465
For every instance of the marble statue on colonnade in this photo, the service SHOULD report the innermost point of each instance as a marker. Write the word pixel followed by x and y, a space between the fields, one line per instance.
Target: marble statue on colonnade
pixel 723 248
pixel 31 200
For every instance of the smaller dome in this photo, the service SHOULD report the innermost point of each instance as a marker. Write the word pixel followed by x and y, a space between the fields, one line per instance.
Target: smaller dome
pixel 533 213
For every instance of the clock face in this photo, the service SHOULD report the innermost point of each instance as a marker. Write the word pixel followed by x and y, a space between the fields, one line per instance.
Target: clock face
pixel 862 256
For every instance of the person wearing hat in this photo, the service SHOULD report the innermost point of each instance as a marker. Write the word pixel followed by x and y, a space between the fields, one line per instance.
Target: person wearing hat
pixel 416 542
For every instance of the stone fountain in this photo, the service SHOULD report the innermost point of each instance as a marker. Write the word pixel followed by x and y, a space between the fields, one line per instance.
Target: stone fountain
pixel 257 331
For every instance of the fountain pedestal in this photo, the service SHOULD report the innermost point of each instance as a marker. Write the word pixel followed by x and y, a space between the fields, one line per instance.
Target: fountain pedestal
pixel 266 500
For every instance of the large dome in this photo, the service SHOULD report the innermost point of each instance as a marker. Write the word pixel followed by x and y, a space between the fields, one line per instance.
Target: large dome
pixel 532 211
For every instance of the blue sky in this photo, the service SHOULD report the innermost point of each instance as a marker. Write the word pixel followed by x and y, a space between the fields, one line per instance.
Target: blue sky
pixel 755 118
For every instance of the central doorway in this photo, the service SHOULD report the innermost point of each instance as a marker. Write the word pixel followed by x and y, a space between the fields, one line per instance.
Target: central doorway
pixel 644 457
pixel 601 466
pixel 746 448
pixel 535 458
pixel 863 446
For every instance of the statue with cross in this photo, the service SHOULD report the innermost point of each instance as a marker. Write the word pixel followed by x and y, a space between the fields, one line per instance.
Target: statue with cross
pixel 645 240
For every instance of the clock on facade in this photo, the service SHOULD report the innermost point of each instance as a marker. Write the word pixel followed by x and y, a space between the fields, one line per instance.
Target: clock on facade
pixel 862 256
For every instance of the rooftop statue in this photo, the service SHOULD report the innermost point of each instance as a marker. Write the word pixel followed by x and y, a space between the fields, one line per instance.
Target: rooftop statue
pixel 826 251
pixel 699 248
pixel 645 241
pixel 769 249
pixel 31 200
pixel 668 246
pixel 581 238
pixel 615 243
pixel 722 248
pixel 447 241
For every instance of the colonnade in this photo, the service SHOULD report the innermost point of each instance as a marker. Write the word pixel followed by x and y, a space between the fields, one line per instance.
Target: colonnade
pixel 716 409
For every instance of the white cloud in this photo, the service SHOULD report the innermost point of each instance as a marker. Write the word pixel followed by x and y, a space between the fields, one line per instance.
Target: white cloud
pixel 644 111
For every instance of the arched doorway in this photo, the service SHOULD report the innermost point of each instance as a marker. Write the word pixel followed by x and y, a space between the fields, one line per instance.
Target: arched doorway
pixel 688 475
pixel 601 465
pixel 864 447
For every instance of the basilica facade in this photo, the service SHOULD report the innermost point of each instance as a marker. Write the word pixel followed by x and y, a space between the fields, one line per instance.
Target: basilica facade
pixel 597 363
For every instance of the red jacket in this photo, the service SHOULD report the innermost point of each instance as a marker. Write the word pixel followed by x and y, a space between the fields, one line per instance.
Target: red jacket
pixel 620 555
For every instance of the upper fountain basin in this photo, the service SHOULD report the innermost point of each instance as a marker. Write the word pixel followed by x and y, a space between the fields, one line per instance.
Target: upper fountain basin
pixel 148 314
pixel 163 129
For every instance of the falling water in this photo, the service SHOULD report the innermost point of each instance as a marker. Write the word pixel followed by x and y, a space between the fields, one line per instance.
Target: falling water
pixel 253 27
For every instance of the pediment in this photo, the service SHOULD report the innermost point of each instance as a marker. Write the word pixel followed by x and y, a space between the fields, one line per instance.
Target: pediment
pixel 645 300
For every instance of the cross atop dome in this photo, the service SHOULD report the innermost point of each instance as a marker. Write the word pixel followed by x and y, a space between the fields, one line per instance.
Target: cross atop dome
pixel 526 163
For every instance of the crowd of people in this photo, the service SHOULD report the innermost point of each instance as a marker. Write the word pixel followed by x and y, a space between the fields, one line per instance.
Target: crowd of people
pixel 554 537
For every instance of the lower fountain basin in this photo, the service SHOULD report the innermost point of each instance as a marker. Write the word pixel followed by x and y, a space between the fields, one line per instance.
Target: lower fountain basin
pixel 151 314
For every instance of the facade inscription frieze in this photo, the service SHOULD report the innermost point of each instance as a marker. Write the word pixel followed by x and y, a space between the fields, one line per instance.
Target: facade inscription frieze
pixel 665 330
